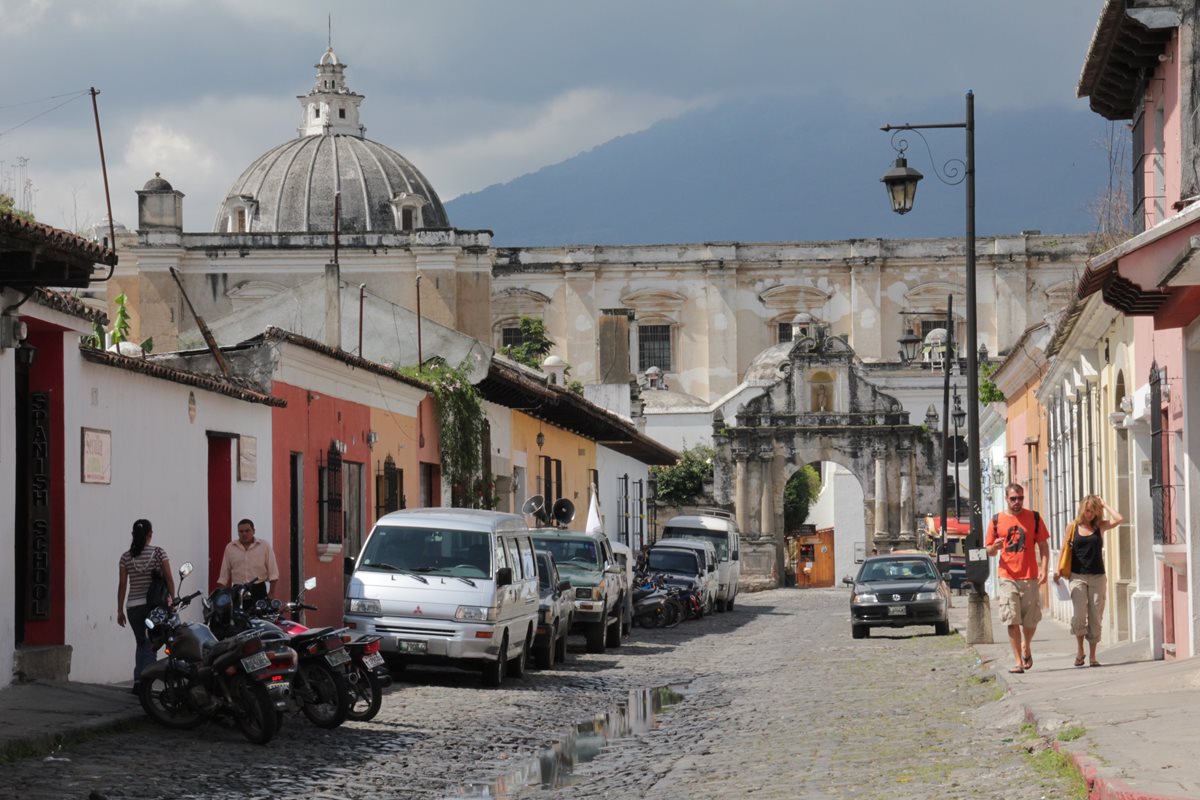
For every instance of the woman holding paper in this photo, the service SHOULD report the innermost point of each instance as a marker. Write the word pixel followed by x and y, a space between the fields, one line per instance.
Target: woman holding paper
pixel 1082 561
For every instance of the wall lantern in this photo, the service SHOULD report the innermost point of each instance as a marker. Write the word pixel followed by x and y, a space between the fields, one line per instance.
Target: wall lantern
pixel 909 343
pixel 541 439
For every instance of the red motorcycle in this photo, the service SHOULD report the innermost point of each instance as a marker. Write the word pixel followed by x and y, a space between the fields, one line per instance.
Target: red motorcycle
pixel 366 672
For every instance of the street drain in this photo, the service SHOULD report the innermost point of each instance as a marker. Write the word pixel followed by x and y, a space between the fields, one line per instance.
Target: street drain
pixel 555 767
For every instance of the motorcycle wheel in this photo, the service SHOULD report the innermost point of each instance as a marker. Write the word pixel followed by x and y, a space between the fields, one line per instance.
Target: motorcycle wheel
pixel 325 693
pixel 674 612
pixel 366 695
pixel 164 699
pixel 256 717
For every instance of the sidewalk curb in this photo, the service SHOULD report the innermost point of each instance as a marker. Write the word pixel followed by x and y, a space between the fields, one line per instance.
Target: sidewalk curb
pixel 40 745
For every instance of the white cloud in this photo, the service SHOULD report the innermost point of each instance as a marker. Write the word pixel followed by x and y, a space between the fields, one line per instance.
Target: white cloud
pixel 564 126
pixel 21 16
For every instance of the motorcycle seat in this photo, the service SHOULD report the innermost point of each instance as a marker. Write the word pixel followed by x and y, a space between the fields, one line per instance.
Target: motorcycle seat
pixel 311 635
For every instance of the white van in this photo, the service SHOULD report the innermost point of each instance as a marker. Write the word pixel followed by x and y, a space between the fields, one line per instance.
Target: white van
pixel 719 528
pixel 706 561
pixel 448 585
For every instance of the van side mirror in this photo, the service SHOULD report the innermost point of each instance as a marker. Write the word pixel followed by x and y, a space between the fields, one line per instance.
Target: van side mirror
pixel 348 566
pixel 504 577
pixel 848 580
pixel 564 586
pixel 735 555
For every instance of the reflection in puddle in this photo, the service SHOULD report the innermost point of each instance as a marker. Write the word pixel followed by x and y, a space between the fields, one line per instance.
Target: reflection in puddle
pixel 555 766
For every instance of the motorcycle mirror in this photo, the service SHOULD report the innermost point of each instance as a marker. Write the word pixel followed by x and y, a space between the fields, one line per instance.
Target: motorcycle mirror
pixel 185 569
pixel 311 583
pixel 150 624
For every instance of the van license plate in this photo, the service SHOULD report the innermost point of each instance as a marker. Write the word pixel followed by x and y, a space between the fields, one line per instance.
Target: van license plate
pixel 372 660
pixel 409 646
pixel 896 611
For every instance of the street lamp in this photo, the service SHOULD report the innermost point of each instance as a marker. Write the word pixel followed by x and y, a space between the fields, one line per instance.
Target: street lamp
pixel 901 184
pixel 960 416
pixel 909 343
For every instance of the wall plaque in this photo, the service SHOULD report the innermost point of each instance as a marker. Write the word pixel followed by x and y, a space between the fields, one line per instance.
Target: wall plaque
pixel 96 456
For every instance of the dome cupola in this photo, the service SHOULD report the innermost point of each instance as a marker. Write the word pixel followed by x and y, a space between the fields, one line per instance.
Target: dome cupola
pixel 292 187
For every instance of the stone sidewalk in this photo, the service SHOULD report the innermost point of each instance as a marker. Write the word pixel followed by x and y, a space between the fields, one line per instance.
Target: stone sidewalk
pixel 1140 718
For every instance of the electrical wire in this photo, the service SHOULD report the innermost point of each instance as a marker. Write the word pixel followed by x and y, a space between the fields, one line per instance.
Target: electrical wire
pixel 42 114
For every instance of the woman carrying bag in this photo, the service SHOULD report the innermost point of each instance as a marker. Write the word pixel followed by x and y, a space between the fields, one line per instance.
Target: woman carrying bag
pixel 1082 561
pixel 140 565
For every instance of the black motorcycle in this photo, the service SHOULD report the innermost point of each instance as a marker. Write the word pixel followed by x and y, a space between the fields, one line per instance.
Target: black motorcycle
pixel 245 678
pixel 368 676
pixel 321 686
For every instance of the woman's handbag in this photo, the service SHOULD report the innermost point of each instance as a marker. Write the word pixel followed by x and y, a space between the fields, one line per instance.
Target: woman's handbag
pixel 1064 558
pixel 156 595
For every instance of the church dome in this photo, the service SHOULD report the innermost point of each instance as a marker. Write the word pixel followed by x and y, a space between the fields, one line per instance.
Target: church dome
pixel 291 188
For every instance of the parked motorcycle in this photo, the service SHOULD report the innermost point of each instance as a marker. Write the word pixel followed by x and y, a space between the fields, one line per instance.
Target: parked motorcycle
pixel 656 603
pixel 368 676
pixel 245 677
pixel 321 685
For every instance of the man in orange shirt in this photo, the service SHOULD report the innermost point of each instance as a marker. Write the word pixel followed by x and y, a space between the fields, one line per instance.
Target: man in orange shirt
pixel 1022 570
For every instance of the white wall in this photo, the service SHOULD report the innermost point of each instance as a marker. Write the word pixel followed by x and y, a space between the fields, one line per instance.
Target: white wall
pixel 680 430
pixel 8 467
pixel 159 472
pixel 612 465
pixel 840 506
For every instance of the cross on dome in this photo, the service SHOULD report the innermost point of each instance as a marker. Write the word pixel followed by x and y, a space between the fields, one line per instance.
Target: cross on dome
pixel 329 107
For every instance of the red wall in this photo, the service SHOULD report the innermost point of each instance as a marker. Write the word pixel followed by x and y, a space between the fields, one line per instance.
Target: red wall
pixel 308 425
pixel 46 375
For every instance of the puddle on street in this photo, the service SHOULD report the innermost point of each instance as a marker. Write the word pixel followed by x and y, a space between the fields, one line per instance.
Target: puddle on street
pixel 555 767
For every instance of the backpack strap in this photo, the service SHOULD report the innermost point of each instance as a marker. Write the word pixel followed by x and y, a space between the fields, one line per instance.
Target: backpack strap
pixel 995 520
pixel 1037 523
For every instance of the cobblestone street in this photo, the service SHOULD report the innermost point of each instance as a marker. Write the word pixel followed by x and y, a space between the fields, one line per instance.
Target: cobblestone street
pixel 777 701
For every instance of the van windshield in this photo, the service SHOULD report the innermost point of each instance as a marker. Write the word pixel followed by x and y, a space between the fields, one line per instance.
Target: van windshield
pixel 428 551
pixel 719 539
pixel 681 562
pixel 571 553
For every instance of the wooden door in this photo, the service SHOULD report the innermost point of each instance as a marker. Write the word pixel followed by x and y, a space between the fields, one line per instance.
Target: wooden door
pixel 822 570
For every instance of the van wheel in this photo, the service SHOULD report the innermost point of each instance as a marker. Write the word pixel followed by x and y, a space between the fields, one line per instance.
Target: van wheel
pixel 560 646
pixel 613 633
pixel 595 637
pixel 517 665
pixel 493 671
pixel 729 604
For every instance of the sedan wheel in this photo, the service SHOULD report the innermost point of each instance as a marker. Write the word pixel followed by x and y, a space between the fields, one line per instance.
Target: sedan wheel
pixel 860 631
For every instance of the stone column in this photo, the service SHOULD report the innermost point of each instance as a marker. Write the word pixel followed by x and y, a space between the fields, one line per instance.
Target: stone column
pixel 906 506
pixel 881 496
pixel 767 510
pixel 741 490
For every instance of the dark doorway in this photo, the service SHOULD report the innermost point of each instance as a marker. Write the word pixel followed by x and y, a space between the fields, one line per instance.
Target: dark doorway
pixel 21 520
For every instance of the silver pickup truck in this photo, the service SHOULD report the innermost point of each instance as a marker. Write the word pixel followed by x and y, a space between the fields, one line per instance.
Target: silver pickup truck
pixel 587 561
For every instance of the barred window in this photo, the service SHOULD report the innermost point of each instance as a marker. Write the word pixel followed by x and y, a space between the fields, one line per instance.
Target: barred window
pixel 784 330
pixel 654 347
pixel 511 337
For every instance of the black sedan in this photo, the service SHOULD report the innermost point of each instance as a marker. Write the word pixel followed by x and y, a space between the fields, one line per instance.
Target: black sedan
pixel 896 591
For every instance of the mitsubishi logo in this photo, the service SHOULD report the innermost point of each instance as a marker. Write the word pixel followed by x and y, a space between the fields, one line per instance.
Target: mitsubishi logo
pixel 417 610
pixel 894 597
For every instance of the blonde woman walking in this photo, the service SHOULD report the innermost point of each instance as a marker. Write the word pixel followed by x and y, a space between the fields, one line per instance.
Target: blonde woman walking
pixel 1082 561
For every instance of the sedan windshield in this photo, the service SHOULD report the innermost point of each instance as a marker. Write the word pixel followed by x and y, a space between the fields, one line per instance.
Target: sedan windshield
pixel 678 561
pixel 898 570
pixel 428 551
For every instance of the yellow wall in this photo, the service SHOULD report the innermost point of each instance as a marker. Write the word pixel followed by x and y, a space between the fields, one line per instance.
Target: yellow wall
pixel 397 438
pixel 578 456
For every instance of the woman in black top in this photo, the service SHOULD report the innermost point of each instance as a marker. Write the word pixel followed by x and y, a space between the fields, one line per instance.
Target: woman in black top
pixel 1089 586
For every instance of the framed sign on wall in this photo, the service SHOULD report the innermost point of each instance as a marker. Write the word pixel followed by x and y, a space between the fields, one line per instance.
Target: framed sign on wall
pixel 96 456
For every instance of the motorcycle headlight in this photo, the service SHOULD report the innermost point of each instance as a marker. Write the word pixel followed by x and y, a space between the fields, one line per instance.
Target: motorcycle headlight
pixel 363 605
pixel 865 597
pixel 927 595
pixel 475 614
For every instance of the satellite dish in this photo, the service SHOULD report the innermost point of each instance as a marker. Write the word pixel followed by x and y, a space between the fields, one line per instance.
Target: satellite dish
pixel 536 506
pixel 563 511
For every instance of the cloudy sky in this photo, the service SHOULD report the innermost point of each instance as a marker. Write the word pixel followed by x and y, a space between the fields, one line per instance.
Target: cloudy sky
pixel 474 92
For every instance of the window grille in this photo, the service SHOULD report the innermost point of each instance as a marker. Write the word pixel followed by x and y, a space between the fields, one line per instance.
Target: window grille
pixel 654 347
pixel 784 331
pixel 389 488
pixel 637 533
pixel 1158 455
pixel 511 337
pixel 623 509
pixel 329 499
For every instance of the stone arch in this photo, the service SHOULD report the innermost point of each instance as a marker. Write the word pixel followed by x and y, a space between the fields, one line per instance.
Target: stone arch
pixel 865 431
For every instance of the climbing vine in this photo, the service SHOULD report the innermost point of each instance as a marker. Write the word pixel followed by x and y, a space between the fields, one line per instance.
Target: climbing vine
pixel 461 426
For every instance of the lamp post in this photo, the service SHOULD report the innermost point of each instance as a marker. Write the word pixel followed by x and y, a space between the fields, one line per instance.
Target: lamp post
pixel 960 416
pixel 901 182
